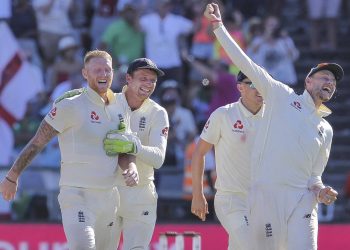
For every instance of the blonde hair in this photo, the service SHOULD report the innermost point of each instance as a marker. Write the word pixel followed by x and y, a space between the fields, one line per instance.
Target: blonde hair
pixel 96 53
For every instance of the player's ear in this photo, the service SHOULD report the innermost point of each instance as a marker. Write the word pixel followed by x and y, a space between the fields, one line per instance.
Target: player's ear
pixel 84 73
pixel 239 87
pixel 128 78
pixel 307 82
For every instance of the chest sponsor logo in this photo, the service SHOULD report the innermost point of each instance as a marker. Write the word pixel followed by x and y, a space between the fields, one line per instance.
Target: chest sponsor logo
pixel 165 131
pixel 296 105
pixel 53 112
pixel 142 123
pixel 94 117
pixel 238 127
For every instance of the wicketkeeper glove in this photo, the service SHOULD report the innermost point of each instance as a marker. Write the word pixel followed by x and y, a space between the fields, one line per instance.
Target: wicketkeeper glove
pixel 117 142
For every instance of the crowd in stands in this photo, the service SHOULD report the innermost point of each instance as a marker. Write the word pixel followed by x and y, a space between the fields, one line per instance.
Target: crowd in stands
pixel 199 76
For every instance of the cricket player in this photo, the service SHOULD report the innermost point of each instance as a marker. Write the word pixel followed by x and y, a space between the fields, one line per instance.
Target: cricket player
pixel 231 130
pixel 88 195
pixel 149 124
pixel 290 152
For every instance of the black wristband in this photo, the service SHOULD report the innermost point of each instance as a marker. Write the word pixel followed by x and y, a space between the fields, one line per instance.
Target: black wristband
pixel 8 179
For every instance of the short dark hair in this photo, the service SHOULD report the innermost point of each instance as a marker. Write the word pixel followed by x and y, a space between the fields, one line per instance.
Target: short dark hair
pixel 241 76
pixel 144 63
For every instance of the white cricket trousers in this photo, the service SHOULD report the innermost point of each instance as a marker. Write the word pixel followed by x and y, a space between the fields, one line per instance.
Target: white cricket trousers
pixel 283 218
pixel 88 216
pixel 231 210
pixel 136 216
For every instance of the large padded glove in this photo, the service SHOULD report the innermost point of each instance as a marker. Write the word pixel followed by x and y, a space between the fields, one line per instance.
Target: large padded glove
pixel 117 142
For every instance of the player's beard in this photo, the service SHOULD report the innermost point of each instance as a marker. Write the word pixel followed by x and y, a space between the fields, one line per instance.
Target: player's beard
pixel 325 96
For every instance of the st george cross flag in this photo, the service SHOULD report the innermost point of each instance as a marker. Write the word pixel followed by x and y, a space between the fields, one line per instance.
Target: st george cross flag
pixel 18 85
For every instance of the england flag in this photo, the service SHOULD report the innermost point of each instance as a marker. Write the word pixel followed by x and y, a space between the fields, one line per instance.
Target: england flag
pixel 18 84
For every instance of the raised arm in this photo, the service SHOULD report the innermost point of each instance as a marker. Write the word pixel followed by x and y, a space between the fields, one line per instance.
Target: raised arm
pixel 257 74
pixel 44 134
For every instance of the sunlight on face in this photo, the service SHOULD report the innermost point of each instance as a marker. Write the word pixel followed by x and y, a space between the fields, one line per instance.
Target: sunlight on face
pixel 99 74
pixel 321 86
pixel 142 82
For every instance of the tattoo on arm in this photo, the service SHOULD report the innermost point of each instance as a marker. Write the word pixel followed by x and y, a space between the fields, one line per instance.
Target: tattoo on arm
pixel 43 135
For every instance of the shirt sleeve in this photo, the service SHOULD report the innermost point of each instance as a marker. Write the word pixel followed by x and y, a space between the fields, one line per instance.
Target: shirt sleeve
pixel 211 131
pixel 321 162
pixel 154 153
pixel 265 83
pixel 62 115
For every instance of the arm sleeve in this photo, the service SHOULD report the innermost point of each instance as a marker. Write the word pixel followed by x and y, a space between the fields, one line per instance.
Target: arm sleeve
pixel 154 153
pixel 211 131
pixel 315 180
pixel 62 115
pixel 265 84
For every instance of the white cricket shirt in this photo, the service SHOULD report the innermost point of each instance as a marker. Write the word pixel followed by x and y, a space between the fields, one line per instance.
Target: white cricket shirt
pixel 293 142
pixel 82 122
pixel 231 129
pixel 151 124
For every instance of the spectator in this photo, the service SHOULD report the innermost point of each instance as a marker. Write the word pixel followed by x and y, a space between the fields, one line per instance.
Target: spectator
pixel 182 125
pixel 216 75
pixel 164 39
pixel 123 37
pixel 103 15
pixel 323 13
pixel 275 51
pixel 23 21
pixel 203 37
pixel 54 23
pixel 66 62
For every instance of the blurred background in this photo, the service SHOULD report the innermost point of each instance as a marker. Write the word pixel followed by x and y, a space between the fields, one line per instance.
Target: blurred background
pixel 42 44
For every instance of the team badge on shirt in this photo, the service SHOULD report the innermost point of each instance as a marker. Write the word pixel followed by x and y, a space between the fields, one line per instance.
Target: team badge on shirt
pixel 296 105
pixel 53 112
pixel 121 118
pixel 206 126
pixel 165 131
pixel 142 123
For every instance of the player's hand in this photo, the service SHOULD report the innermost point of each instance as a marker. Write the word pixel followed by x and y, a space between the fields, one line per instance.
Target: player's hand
pixel 8 188
pixel 327 195
pixel 199 206
pixel 131 175
pixel 212 12
pixel 116 143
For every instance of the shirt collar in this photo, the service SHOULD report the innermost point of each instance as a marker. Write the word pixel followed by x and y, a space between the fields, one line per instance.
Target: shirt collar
pixel 96 98
pixel 247 113
pixel 322 111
